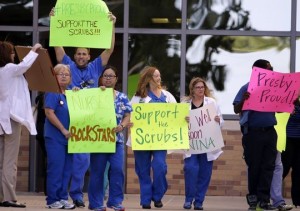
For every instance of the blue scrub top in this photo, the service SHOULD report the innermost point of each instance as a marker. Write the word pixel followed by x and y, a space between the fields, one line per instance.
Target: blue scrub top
pixel 86 77
pixel 122 106
pixel 58 103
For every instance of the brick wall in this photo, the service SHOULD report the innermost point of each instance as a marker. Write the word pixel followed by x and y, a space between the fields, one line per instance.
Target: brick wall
pixel 23 162
pixel 229 171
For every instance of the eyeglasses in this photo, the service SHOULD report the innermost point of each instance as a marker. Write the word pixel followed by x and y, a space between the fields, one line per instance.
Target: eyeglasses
pixel 199 87
pixel 109 76
pixel 63 74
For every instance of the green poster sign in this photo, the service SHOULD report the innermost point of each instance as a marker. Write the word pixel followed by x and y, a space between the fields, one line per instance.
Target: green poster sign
pixel 159 126
pixel 78 23
pixel 92 118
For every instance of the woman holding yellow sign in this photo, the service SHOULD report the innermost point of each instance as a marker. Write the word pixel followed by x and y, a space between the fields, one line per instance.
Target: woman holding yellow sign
pixel 149 90
pixel 116 176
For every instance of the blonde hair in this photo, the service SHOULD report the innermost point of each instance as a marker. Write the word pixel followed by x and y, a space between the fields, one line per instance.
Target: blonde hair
pixel 193 82
pixel 60 67
pixel 143 84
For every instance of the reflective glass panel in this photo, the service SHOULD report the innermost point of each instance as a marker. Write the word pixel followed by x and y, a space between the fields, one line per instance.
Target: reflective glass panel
pixel 117 8
pixel 17 38
pixel 297 55
pixel 155 13
pixel 16 12
pixel 226 62
pixel 239 15
pixel 44 10
pixel 298 16
pixel 162 51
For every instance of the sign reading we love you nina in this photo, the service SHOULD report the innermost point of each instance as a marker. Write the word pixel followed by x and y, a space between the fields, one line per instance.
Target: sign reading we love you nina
pixel 204 132
pixel 159 126
pixel 81 23
pixel 272 91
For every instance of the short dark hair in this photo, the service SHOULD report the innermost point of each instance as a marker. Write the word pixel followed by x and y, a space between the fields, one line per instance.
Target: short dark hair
pixel 262 63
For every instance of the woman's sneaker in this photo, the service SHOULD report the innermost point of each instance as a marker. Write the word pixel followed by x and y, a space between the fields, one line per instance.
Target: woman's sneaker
pixel 67 205
pixel 118 207
pixel 102 208
pixel 55 205
pixel 187 205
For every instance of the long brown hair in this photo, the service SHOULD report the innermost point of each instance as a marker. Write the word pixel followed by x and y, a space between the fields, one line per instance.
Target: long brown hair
pixel 143 84
pixel 6 49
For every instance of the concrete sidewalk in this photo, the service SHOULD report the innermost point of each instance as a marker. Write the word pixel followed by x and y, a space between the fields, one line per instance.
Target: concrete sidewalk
pixel 36 201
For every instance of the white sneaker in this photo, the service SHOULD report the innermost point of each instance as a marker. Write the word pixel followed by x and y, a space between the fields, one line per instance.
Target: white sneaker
pixel 67 205
pixel 55 205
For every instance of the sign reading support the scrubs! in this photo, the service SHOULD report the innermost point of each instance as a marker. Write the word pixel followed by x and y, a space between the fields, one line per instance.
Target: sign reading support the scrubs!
pixel 78 23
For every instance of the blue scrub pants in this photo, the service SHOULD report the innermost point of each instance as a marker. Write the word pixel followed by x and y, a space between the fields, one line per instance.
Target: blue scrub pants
pixel 276 185
pixel 81 163
pixel 197 175
pixel 59 170
pixel 151 190
pixel 116 178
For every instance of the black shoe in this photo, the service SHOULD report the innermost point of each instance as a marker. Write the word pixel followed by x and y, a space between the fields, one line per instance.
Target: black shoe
pixel 79 203
pixel 146 206
pixel 158 204
pixel 198 206
pixel 12 204
pixel 266 206
pixel 252 207
pixel 284 207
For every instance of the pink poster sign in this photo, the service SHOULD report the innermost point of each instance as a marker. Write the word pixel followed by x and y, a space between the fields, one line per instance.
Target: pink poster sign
pixel 272 91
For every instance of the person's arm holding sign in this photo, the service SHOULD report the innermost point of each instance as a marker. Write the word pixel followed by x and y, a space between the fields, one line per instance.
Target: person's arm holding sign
pixel 105 55
pixel 238 106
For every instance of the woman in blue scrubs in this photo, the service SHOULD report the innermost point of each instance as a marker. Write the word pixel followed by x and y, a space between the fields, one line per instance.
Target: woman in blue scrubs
pixel 59 162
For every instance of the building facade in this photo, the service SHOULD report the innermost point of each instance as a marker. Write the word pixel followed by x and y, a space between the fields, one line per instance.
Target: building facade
pixel 217 40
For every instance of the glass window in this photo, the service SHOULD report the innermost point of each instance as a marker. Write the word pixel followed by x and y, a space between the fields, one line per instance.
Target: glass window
pixel 155 13
pixel 226 61
pixel 161 51
pixel 239 15
pixel 117 8
pixel 297 55
pixel 16 12
pixel 44 10
pixel 17 38
pixel 298 16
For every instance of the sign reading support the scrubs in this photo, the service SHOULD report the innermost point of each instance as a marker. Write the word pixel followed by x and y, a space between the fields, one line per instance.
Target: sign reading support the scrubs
pixel 78 23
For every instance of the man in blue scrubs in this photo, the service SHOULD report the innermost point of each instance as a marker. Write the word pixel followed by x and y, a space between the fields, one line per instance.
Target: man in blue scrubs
pixel 85 74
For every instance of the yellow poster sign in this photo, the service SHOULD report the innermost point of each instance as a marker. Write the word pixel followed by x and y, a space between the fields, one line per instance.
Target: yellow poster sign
pixel 159 126
pixel 92 118
pixel 78 23
pixel 282 119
